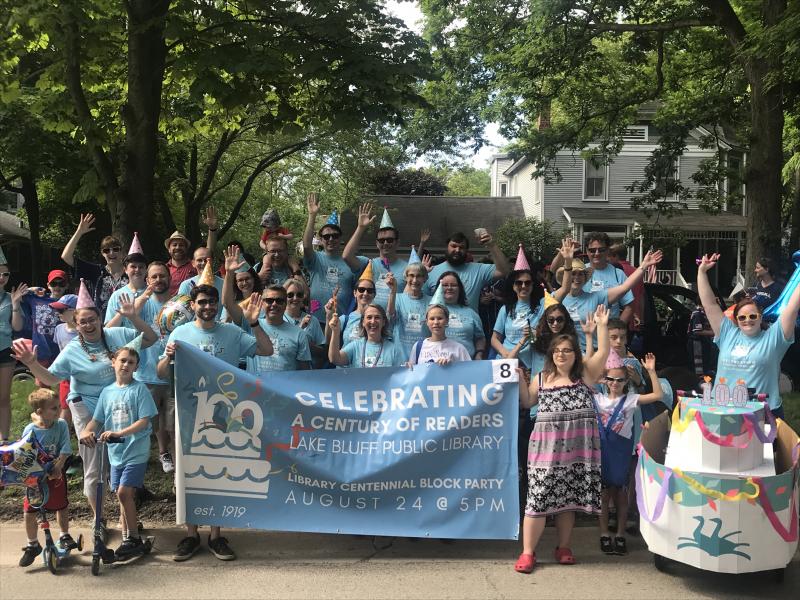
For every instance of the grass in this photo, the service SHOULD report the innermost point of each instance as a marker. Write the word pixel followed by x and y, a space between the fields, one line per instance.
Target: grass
pixel 160 507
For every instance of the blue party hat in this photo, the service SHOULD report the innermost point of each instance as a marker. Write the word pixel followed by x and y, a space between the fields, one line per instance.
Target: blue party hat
pixel 438 296
pixel 334 218
pixel 386 220
pixel 245 265
pixel 413 258
pixel 135 343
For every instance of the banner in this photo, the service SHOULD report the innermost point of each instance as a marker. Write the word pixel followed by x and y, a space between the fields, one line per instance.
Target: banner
pixel 385 451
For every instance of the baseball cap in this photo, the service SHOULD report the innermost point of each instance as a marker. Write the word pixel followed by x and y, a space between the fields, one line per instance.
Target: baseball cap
pixel 66 301
pixel 57 274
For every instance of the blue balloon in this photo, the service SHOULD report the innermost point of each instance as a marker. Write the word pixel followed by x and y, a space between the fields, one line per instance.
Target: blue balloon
pixel 774 310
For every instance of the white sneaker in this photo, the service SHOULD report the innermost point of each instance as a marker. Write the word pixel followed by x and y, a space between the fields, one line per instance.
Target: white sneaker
pixel 166 462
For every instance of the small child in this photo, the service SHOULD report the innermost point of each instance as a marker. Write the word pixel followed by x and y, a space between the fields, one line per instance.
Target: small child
pixel 64 333
pixel 615 418
pixel 53 434
pixel 271 223
pixel 124 410
pixel 437 348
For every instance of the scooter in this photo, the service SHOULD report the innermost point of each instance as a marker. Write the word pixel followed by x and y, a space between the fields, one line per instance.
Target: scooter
pixel 101 552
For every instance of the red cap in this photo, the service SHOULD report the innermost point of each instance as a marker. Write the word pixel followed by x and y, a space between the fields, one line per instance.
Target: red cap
pixel 57 274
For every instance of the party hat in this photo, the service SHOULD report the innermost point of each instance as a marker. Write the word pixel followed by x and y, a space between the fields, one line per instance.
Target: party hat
pixel 549 301
pixel 386 220
pixel 438 296
pixel 84 297
pixel 245 265
pixel 729 312
pixel 207 277
pixel 136 245
pixel 413 257
pixel 135 343
pixel 614 361
pixel 3 260
pixel 522 262
pixel 334 218
pixel 367 274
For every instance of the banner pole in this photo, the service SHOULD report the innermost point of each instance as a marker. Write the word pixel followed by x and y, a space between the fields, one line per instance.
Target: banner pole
pixel 180 495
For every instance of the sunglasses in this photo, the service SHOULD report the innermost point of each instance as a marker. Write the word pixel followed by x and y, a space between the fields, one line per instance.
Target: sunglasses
pixel 751 316
pixel 58 283
pixel 206 302
pixel 275 301
pixel 555 320
pixel 523 283
pixel 298 295
pixel 365 290
pixel 385 240
pixel 615 379
pixel 110 250
pixel 596 250
pixel 331 236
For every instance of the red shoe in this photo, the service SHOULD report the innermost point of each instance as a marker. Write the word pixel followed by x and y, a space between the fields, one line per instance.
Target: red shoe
pixel 564 556
pixel 525 563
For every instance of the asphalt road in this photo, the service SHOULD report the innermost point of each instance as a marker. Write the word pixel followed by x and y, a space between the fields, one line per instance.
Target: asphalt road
pixel 289 565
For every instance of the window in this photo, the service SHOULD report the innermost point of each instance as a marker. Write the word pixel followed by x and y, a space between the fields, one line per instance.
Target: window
pixel 504 189
pixel 594 178
pixel 635 133
pixel 666 177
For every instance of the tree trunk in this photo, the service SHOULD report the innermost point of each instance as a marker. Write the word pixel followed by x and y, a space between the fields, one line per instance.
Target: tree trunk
pixel 794 236
pixel 31 196
pixel 147 53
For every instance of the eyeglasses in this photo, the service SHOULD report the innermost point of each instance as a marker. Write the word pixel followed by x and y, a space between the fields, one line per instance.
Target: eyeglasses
pixel 563 351
pixel 331 236
pixel 275 301
pixel 58 283
pixel 615 379
pixel 523 283
pixel 450 286
pixel 276 251
pixel 298 295
pixel 90 321
pixel 390 240
pixel 365 290
pixel 596 250
pixel 205 302
pixel 115 249
pixel 555 320
pixel 751 316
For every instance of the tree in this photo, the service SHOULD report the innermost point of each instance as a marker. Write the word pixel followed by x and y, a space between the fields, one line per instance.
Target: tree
pixel 540 239
pixel 468 181
pixel 586 66
pixel 389 180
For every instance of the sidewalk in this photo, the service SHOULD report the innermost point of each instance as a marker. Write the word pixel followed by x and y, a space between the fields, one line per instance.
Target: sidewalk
pixel 291 565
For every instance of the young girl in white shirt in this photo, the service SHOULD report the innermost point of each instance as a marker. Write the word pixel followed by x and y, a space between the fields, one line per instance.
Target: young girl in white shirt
pixel 437 348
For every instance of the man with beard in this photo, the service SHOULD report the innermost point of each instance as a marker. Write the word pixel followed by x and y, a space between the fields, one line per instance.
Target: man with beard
pixel 179 265
pixel 473 275
pixel 201 257
pixel 102 280
pixel 227 342
pixel 328 269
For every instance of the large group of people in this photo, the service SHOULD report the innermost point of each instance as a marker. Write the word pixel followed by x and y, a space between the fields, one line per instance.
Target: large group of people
pixel 107 358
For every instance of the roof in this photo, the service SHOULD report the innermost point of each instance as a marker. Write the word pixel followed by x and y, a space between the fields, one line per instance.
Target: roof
pixel 11 227
pixel 443 215
pixel 688 220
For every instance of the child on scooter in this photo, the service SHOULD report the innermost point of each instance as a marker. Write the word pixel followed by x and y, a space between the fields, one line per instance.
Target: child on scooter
pixel 53 435
pixel 124 410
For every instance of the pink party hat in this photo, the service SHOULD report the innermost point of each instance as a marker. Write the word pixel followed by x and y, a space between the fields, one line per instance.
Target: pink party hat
pixel 614 361
pixel 84 298
pixel 136 245
pixel 522 262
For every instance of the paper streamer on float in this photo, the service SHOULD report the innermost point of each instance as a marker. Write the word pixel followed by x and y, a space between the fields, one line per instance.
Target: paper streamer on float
pixel 750 427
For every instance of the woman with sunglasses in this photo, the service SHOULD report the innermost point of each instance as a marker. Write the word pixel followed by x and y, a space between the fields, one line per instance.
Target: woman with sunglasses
pixel 373 348
pixel 748 350
pixel 564 450
pixel 464 325
pixel 364 295
pixel 297 296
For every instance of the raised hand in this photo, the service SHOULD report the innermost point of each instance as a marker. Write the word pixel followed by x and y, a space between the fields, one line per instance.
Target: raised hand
pixel 589 325
pixel 86 224
pixel 651 258
pixel 333 322
pixel 312 202
pixel 254 307
pixel 18 292
pixel 24 353
pixel 306 320
pixel 211 218
pixel 567 250
pixel 708 262
pixel 391 282
pixel 365 216
pixel 330 307
pixel 169 350
pixel 232 260
pixel 601 315
pixel 427 262
pixel 424 235
pixel 649 361
pixel 127 307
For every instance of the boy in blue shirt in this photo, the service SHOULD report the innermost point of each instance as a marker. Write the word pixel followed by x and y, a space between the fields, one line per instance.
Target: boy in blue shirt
pixel 124 410
pixel 53 434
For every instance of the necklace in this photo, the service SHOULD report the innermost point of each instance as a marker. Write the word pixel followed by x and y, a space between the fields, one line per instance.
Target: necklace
pixel 364 354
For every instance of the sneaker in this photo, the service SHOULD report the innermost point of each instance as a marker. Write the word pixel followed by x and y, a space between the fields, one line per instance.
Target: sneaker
pixel 606 545
pixel 29 554
pixel 67 543
pixel 100 531
pixel 166 462
pixel 130 548
pixel 187 548
pixel 620 546
pixel 219 548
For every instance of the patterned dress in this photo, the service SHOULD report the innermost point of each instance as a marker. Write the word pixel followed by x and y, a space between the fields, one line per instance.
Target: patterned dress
pixel 564 453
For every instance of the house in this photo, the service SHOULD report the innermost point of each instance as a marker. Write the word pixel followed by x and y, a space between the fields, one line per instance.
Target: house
pixel 592 196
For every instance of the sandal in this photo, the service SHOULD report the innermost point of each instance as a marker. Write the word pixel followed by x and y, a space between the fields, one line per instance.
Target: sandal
pixel 525 563
pixel 605 544
pixel 564 556
pixel 620 546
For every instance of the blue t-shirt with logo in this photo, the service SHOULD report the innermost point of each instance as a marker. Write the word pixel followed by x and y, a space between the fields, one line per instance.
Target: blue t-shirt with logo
pixel 42 321
pixel 473 275
pixel 350 326
pixel 146 373
pixel 605 279
pixel 512 326
pixel 464 326
pixel 54 440
pixel 289 347
pixel 120 406
pixel 380 271
pixel 363 353
pixel 113 303
pixel 579 307
pixel 409 322
pixel 326 273
pixel 226 341
pixel 313 330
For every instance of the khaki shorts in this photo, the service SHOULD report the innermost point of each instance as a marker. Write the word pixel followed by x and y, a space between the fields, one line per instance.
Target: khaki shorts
pixel 165 403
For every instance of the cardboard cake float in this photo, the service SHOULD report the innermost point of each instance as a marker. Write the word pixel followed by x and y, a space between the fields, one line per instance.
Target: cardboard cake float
pixel 711 491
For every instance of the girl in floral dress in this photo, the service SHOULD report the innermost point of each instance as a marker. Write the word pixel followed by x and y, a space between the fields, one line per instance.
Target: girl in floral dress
pixel 564 449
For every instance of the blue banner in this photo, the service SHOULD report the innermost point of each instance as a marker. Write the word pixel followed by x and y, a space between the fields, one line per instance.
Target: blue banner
pixel 383 451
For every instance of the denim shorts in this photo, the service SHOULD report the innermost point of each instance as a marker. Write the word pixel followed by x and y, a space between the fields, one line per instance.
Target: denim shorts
pixel 127 475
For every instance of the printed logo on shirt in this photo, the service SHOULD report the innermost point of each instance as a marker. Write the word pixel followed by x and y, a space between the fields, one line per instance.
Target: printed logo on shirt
pixel 414 322
pixel 332 275
pixel 598 285
pixel 740 351
pixel 120 415
pixel 369 361
pixel 210 346
pixel 455 321
pixel 46 319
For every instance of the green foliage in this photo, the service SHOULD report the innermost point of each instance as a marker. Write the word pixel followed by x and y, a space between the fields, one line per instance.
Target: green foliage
pixel 468 181
pixel 389 180
pixel 541 239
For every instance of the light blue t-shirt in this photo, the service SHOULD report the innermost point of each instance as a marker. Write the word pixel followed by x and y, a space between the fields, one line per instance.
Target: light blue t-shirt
pixel 54 440
pixel 120 407
pixel 326 273
pixel 88 377
pixel 289 347
pixel 409 321
pixel 474 276
pixel 756 360
pixel 464 326
pixel 278 276
pixel 379 271
pixel 352 330
pixel 313 330
pixel 225 341
pixel 511 328
pixel 113 303
pixel 604 279
pixel 579 307
pixel 5 321
pixel 187 285
pixel 362 353
pixel 146 373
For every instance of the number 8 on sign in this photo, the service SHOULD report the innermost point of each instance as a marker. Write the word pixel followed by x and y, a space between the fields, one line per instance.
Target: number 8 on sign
pixel 504 371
